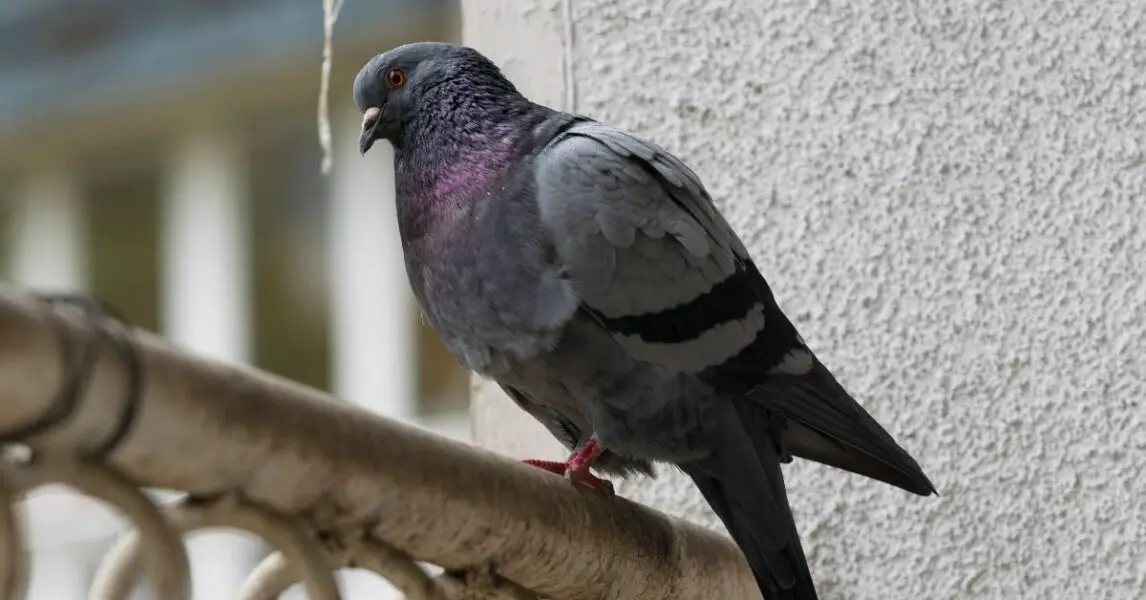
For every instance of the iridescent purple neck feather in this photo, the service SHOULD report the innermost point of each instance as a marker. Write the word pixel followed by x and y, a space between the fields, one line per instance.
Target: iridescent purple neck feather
pixel 467 134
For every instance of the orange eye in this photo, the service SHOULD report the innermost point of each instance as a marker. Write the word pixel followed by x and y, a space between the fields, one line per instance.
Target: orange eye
pixel 396 78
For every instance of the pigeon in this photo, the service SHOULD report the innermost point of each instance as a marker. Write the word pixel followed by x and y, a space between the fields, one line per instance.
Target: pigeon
pixel 587 271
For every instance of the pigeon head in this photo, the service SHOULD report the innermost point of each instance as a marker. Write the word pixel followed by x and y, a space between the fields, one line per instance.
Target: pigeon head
pixel 419 80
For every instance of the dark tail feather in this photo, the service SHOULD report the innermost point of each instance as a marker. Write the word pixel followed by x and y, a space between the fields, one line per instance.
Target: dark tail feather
pixel 745 488
pixel 827 425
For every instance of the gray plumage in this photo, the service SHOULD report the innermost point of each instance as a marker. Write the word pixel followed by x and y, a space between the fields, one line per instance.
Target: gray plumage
pixel 587 271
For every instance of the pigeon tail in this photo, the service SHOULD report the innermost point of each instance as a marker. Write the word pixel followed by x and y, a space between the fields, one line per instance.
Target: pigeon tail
pixel 743 484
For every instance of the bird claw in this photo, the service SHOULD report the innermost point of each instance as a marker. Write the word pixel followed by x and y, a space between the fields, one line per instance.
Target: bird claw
pixel 604 487
pixel 557 468
pixel 575 476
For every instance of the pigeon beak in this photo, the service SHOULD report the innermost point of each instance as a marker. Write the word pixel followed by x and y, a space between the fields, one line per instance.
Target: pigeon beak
pixel 370 120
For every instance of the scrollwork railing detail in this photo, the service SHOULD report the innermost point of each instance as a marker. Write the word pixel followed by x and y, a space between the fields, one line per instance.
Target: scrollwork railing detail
pixel 109 411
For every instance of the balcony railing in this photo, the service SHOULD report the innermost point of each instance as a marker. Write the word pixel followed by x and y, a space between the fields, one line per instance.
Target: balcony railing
pixel 109 410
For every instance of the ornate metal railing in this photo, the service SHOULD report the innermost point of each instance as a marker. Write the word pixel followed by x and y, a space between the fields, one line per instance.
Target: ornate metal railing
pixel 108 410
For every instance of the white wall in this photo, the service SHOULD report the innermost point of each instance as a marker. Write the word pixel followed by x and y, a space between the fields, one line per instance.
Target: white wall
pixel 948 200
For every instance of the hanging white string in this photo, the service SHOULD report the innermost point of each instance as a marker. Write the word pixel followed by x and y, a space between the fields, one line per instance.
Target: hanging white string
pixel 330 10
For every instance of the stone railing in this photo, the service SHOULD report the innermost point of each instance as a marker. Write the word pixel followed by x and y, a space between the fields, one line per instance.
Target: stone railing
pixel 108 410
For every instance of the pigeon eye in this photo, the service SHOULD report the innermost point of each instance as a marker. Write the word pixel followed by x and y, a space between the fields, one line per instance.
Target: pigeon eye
pixel 396 78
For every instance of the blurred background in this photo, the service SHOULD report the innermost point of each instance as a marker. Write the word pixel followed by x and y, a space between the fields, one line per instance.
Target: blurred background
pixel 163 155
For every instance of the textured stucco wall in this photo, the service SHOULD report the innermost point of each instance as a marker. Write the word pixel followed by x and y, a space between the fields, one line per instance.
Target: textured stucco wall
pixel 949 199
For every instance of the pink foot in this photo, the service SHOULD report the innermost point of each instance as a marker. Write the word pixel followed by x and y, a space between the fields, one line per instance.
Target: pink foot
pixel 576 469
pixel 557 468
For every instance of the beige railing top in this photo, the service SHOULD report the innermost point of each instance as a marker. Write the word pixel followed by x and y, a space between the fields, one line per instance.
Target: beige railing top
pixel 107 410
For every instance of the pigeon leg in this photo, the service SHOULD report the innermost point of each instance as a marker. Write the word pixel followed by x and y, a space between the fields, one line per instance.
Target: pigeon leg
pixel 578 465
pixel 576 469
